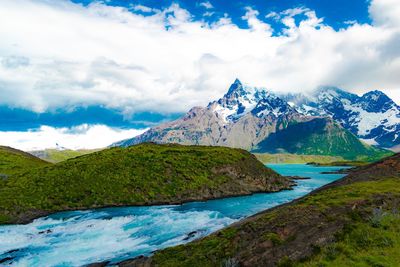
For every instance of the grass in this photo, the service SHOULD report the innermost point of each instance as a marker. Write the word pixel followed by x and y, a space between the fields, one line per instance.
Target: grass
pixel 137 175
pixel 13 161
pixel 341 163
pixel 56 155
pixel 339 196
pixel 363 242
pixel 295 158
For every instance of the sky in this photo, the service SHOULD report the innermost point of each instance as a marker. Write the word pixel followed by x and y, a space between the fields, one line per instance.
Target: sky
pixel 94 69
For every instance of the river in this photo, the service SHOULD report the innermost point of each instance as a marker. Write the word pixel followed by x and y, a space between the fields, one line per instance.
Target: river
pixel 114 234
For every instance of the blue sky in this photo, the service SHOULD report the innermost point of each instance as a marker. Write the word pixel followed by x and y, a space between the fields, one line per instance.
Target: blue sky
pixel 335 13
pixel 133 64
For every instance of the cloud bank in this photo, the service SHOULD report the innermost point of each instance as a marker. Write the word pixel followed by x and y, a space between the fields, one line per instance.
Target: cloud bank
pixel 57 53
pixel 79 137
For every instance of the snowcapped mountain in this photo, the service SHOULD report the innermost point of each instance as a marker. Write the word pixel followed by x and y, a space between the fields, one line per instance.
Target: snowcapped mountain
pixel 242 118
pixel 373 117
pixel 249 118
pixel 240 100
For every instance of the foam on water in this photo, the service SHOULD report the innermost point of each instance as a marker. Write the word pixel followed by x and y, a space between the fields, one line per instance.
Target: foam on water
pixel 80 237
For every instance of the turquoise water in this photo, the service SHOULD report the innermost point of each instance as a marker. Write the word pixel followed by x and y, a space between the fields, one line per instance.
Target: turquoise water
pixel 81 237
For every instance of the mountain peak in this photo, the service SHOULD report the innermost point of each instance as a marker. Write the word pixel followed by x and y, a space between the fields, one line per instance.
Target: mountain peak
pixel 329 92
pixel 376 101
pixel 237 81
pixel 236 87
pixel 375 95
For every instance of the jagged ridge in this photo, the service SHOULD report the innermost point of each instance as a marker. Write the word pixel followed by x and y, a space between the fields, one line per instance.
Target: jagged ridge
pixel 245 117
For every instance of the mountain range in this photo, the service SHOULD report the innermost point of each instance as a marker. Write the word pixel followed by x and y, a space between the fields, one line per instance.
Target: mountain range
pixel 329 121
pixel 373 117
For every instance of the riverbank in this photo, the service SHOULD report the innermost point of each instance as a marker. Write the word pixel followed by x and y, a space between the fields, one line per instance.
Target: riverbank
pixel 120 233
pixel 314 230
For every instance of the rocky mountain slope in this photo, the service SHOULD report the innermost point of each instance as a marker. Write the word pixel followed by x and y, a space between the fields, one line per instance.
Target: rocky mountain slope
pixel 351 222
pixel 373 116
pixel 139 175
pixel 246 117
pixel 242 118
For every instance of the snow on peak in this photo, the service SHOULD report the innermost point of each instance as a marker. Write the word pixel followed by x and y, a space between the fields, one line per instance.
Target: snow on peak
pixel 272 105
pixel 376 101
pixel 238 101
pixel 373 116
pixel 241 99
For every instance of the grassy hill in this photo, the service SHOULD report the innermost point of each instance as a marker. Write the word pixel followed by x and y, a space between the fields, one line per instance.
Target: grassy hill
pixel 57 155
pixel 138 175
pixel 295 158
pixel 352 222
pixel 320 136
pixel 13 161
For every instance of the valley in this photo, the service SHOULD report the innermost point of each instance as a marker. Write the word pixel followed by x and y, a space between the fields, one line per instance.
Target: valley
pixel 111 235
pixel 254 133
pixel 145 174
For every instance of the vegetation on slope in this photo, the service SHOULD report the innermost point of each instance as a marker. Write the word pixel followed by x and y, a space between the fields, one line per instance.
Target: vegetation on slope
pixel 57 155
pixel 352 222
pixel 320 136
pixel 13 161
pixel 295 158
pixel 137 175
pixel 351 163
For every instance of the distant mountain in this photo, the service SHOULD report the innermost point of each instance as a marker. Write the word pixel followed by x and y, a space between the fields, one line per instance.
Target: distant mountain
pixel 249 118
pixel 320 136
pixel 373 117
pixel 242 118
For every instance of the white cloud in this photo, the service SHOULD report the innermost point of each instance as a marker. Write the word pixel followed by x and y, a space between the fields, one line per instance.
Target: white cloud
pixel 208 14
pixel 206 5
pixel 385 13
pixel 273 15
pixel 143 8
pixel 78 137
pixel 254 23
pixel 56 53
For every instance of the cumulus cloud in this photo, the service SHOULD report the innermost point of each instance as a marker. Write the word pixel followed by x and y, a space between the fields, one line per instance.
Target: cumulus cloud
pixel 79 137
pixel 58 53
pixel 255 24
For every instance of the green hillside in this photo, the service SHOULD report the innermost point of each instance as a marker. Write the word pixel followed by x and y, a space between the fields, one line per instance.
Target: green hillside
pixel 320 136
pixel 137 175
pixel 13 161
pixel 352 222
pixel 56 155
pixel 295 158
